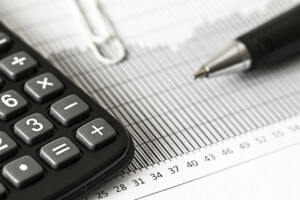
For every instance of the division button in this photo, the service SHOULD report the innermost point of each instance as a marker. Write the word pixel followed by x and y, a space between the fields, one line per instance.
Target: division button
pixel 95 134
pixel 69 110
pixel 11 105
pixel 33 129
pixel 43 87
pixel 60 153
pixel 5 42
pixel 22 172
pixel 2 191
pixel 8 147
pixel 18 65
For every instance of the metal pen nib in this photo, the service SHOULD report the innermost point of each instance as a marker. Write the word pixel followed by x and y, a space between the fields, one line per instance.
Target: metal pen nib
pixel 201 73
pixel 234 58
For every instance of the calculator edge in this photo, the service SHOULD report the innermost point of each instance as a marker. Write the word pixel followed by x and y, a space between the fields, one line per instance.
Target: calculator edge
pixel 111 170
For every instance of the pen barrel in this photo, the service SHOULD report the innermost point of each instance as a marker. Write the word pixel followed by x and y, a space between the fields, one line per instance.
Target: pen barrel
pixel 274 41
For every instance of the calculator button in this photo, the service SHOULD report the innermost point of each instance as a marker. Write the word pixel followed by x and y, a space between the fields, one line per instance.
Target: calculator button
pixel 60 153
pixel 18 65
pixel 43 87
pixel 2 191
pixel 8 147
pixel 22 172
pixel 11 105
pixel 95 134
pixel 5 42
pixel 33 129
pixel 69 110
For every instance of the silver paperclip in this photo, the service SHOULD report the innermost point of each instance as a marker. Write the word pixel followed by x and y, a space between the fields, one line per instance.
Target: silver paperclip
pixel 109 35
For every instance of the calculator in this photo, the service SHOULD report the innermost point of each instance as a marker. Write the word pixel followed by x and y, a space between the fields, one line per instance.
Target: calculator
pixel 55 141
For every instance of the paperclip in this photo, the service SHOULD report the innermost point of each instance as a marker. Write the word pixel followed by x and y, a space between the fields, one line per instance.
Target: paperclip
pixel 109 35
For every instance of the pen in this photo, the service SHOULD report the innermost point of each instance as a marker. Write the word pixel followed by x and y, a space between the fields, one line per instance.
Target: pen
pixel 273 41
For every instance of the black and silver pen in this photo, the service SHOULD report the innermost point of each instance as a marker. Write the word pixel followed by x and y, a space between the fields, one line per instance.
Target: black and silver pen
pixel 274 41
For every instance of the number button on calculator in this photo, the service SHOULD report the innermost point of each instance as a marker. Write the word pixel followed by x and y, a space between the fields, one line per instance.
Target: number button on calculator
pixel 33 129
pixel 60 153
pixel 95 134
pixel 43 87
pixel 56 140
pixel 8 147
pixel 18 65
pixel 11 105
pixel 22 171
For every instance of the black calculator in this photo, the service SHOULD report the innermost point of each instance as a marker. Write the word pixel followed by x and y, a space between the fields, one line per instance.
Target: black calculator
pixel 55 141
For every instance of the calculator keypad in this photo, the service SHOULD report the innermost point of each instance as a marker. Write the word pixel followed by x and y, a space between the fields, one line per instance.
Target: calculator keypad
pixel 43 87
pixel 22 172
pixel 52 131
pixel 8 147
pixel 95 134
pixel 69 110
pixel 33 129
pixel 12 104
pixel 60 153
pixel 17 65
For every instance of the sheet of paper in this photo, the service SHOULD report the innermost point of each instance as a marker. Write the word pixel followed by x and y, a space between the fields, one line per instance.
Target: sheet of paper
pixel 191 137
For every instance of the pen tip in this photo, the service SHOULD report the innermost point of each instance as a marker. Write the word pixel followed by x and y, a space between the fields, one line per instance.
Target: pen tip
pixel 201 73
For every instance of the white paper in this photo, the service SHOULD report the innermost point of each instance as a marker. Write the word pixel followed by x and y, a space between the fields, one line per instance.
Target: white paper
pixel 173 118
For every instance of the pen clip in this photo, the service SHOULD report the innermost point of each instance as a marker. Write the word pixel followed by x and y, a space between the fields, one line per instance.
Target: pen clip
pixel 109 36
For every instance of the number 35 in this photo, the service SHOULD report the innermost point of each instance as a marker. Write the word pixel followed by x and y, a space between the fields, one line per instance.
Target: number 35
pixel 36 125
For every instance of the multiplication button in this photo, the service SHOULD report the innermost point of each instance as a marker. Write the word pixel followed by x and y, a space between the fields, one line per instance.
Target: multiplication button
pixel 18 65
pixel 69 110
pixel 95 134
pixel 43 87
pixel 22 172
pixel 60 153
